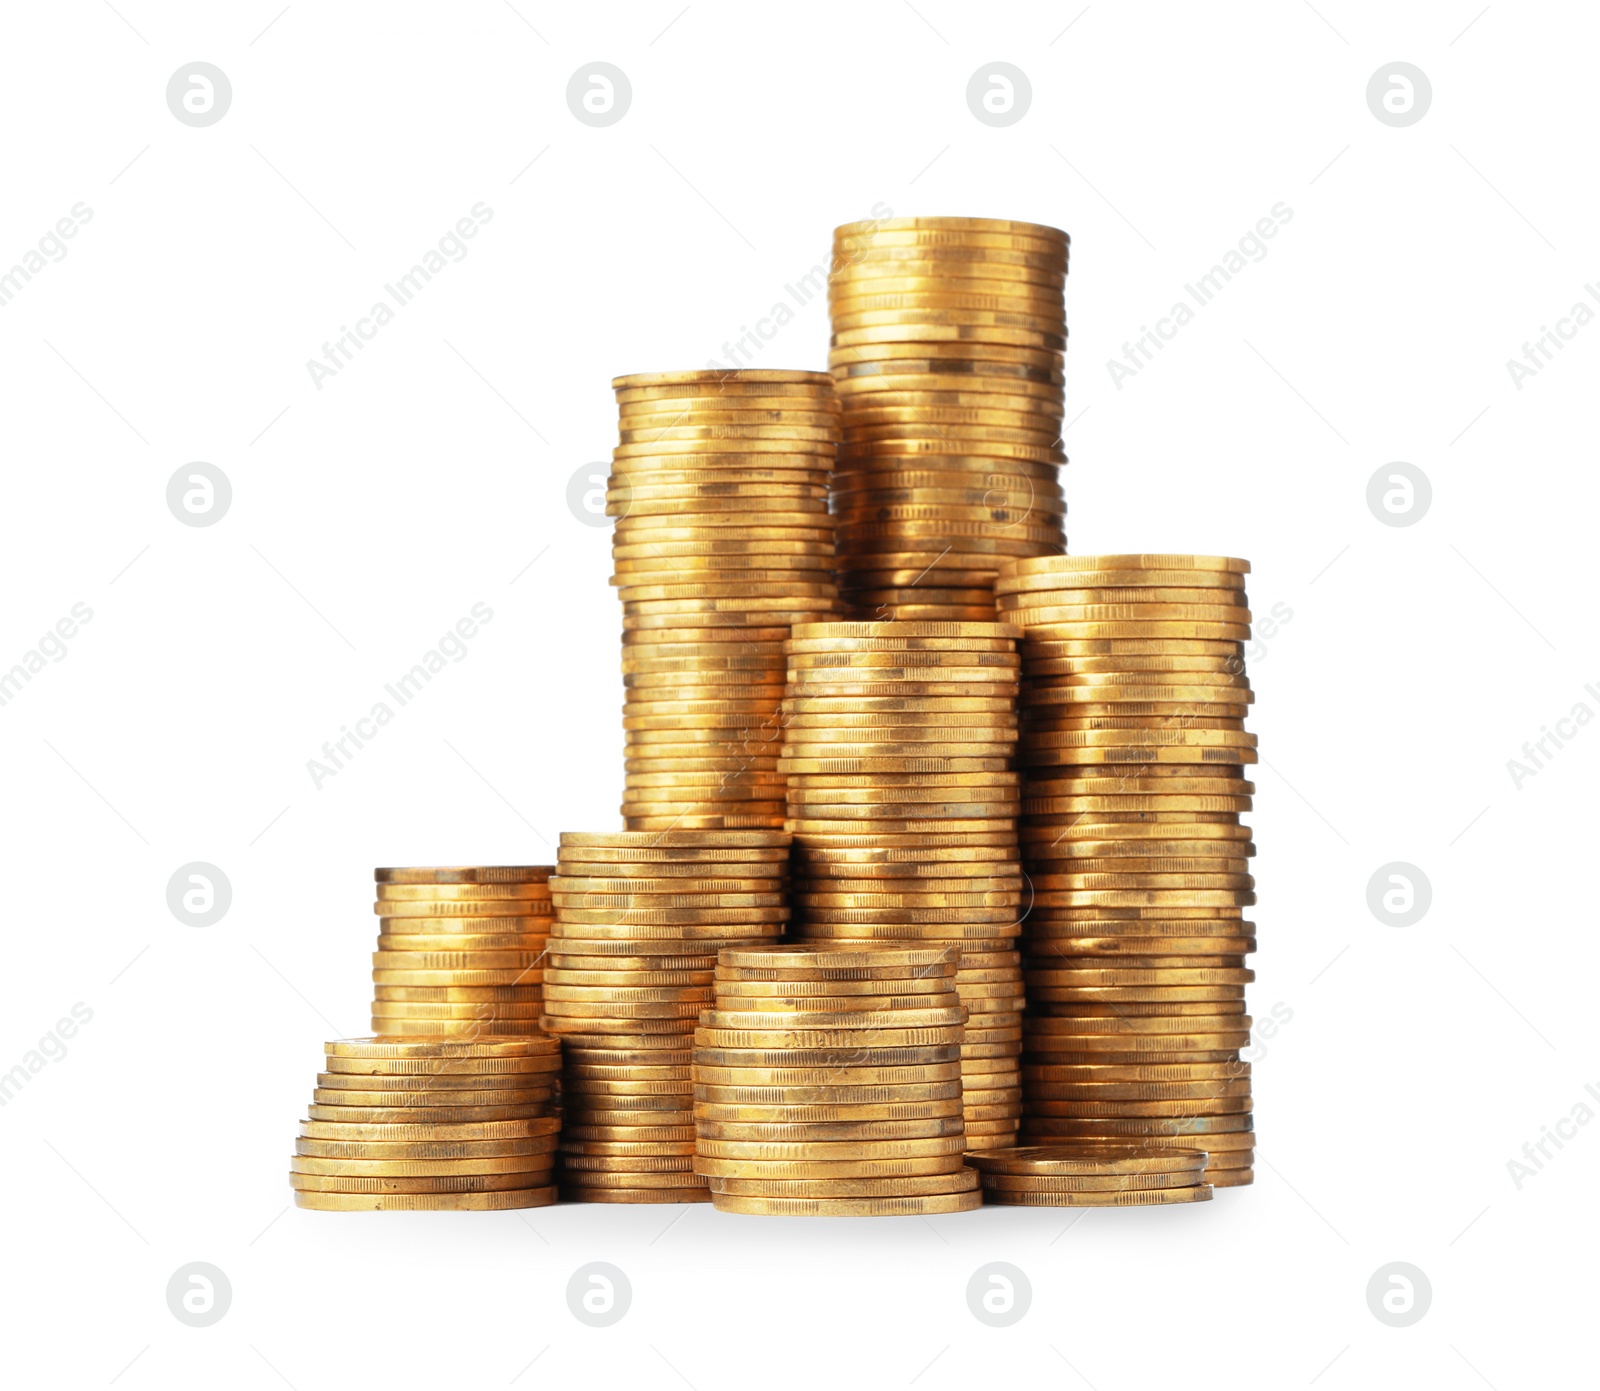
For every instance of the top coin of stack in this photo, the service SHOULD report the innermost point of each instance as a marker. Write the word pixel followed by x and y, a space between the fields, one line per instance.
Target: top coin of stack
pixel 898 744
pixel 640 917
pixel 429 1124
pixel 827 1082
pixel 1133 748
pixel 460 950
pixel 723 539
pixel 948 336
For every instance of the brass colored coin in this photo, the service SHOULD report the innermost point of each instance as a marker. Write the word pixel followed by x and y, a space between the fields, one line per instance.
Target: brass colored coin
pixel 445 1067
pixel 440 1131
pixel 902 1206
pixel 466 874
pixel 473 892
pixel 367 1048
pixel 438 1184
pixel 535 1150
pixel 533 925
pixel 1136 1197
pixel 419 1202
pixel 423 1168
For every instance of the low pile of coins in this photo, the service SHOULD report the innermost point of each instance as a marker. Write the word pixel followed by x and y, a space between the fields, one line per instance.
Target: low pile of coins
pixel 640 917
pixel 415 1124
pixel 1092 1176
pixel 948 336
pixel 723 539
pixel 898 745
pixel 1133 746
pixel 827 1082
pixel 460 950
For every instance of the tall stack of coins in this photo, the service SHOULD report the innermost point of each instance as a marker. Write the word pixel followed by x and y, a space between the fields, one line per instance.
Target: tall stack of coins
pixel 948 336
pixel 460 950
pixel 1133 746
pixel 898 745
pixel 430 1124
pixel 827 1083
pixel 723 539
pixel 640 917
pixel 1092 1176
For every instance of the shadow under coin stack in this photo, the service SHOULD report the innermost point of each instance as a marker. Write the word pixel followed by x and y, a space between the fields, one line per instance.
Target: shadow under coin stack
pixel 723 539
pixel 827 1083
pixel 948 336
pixel 640 917
pixel 414 1124
pixel 898 745
pixel 1092 1176
pixel 460 950
pixel 1133 746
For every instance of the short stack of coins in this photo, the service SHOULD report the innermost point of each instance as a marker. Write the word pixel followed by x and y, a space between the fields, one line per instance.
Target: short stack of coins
pixel 947 347
pixel 640 917
pixel 899 740
pixel 460 950
pixel 828 1083
pixel 1133 746
pixel 1092 1176
pixel 429 1124
pixel 723 539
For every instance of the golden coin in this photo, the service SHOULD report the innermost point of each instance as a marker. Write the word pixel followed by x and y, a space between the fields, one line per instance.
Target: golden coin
pixel 465 874
pixel 427 893
pixel 321 1184
pixel 419 1202
pixel 466 927
pixel 1132 1197
pixel 514 1164
pixel 888 1206
pixel 446 1067
pixel 437 1131
pixel 376 1049
pixel 513 1154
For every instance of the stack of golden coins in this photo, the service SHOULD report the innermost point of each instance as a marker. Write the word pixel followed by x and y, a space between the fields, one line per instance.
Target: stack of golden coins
pixel 460 950
pixel 640 917
pixel 1092 1176
pixel 723 539
pixel 1133 746
pixel 898 745
pixel 827 1083
pixel 430 1124
pixel 948 336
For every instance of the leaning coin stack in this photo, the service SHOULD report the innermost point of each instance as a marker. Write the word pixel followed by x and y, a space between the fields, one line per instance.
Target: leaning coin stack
pixel 1092 1175
pixel 460 950
pixel 948 335
pixel 1133 746
pixel 828 1083
pixel 640 917
pixel 723 539
pixel 898 745
pixel 412 1124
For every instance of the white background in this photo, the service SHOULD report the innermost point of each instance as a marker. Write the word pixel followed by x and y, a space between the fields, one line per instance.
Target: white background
pixel 430 474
